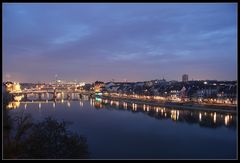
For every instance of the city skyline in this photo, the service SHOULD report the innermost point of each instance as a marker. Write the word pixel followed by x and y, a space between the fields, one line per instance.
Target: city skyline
pixel 134 42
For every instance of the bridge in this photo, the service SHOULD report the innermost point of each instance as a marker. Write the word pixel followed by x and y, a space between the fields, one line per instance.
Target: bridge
pixel 47 101
pixel 50 91
pixel 55 92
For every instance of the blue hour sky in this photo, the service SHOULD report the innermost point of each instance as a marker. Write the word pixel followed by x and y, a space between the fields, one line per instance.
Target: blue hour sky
pixel 134 42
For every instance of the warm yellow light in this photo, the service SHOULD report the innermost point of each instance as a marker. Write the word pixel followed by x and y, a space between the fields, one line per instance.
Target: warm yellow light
pixel 13 105
pixel 214 117
pixel 226 120
pixel 18 98
pixel 200 116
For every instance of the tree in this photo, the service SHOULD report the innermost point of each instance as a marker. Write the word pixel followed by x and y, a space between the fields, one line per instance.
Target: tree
pixel 50 139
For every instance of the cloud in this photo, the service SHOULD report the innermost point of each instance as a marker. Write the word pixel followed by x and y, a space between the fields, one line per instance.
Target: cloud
pixel 72 33
pixel 84 38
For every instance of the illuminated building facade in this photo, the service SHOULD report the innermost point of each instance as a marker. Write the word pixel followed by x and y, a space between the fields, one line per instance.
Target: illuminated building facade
pixel 12 87
pixel 98 86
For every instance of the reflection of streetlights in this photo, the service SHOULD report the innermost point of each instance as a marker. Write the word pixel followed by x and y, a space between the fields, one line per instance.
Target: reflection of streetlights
pixel 68 104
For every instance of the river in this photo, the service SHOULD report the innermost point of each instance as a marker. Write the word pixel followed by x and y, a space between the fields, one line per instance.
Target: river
pixel 120 130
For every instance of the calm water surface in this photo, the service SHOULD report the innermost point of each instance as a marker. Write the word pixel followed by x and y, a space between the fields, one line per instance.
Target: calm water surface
pixel 126 130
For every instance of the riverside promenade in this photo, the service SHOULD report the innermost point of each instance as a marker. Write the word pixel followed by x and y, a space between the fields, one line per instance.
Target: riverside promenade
pixel 182 105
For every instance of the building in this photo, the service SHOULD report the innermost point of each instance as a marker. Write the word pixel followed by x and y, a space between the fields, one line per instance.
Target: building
pixel 10 86
pixel 184 78
pixel 98 86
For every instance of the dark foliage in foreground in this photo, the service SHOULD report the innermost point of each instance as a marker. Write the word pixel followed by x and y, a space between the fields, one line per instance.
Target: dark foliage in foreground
pixel 50 139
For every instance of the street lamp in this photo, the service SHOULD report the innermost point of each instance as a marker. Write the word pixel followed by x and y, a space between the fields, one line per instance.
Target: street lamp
pixel 205 83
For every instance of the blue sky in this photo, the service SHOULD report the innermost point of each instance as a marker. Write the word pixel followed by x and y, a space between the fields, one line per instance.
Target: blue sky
pixel 134 42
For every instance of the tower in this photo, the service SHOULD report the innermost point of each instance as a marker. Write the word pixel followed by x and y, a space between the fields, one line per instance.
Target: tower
pixel 184 78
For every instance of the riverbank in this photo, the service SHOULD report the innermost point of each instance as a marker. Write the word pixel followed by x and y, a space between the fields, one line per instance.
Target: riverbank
pixel 190 106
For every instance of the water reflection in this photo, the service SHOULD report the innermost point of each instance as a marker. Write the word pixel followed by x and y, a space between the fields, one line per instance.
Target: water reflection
pixel 68 104
pixel 125 105
pixel 214 117
pixel 200 116
pixel 174 115
pixel 205 119
pixel 81 103
pixel 13 105
pixel 226 120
